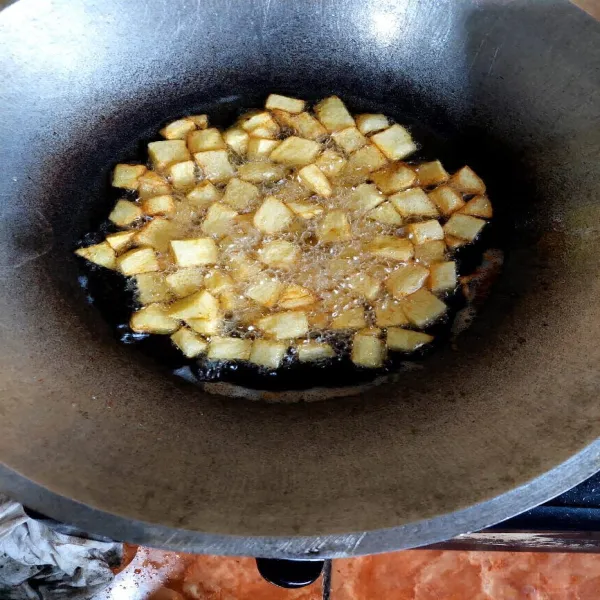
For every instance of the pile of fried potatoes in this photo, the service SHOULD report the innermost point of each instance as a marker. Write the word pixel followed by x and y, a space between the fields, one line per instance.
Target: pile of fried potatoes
pixel 288 231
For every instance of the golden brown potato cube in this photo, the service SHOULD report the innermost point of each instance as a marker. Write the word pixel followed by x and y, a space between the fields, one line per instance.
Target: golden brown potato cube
pixel 369 123
pixel 295 151
pixel 351 318
pixel 331 163
pixel 393 248
pixel 126 176
pixel 296 296
pixel 313 351
pixel 125 213
pixel 395 142
pixel 335 227
pixel 158 205
pixel 242 267
pixel 365 197
pixel 406 280
pixel 268 353
pixel 405 340
pixel 467 181
pixel 152 287
pixel 153 319
pixel 215 165
pixel 229 348
pixel 414 203
pixel 184 282
pixel 206 326
pixel 261 172
pixel 425 231
pixel 182 175
pixel 386 214
pixel 479 206
pixel 100 254
pixel 442 277
pixel 291 105
pixel 423 308
pixel 279 254
pixel 237 139
pixel 334 115
pixel 446 199
pixel 178 130
pixel 189 342
pixel 349 139
pixel 432 173
pixel 200 121
pixel 453 242
pixel 273 216
pixel 463 227
pixel 364 286
pixel 265 291
pixel 430 252
pixel 219 220
pixel 259 148
pixel 205 139
pixel 306 126
pixel 152 184
pixel 262 121
pixel 394 178
pixel 195 252
pixel 306 210
pixel 389 313
pixel 314 179
pixel 203 194
pixel 362 162
pixel 319 319
pixel 139 260
pixel 199 305
pixel 367 351
pixel 162 154
pixel 240 195
pixel 157 234
pixel 121 240
pixel 284 325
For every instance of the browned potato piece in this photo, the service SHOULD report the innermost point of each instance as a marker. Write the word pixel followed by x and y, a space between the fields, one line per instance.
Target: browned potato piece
pixel 406 340
pixel 200 121
pixel 203 194
pixel 279 254
pixel 335 227
pixel 261 172
pixel 351 318
pixel 331 163
pixel 395 142
pixel 388 246
pixel 153 319
pixel 158 205
pixel 349 139
pixel 453 242
pixel 237 139
pixel 386 214
pixel 268 353
pixel 467 181
pixel 296 296
pixel 206 326
pixel 240 195
pixel 479 206
pixel 182 175
pixel 312 351
pixel 432 173
pixel 120 240
pixel 157 234
pixel 273 216
pixel 215 165
pixel 442 277
pixel 199 305
pixel 125 213
pixel 262 122
pixel 394 178
pixel 189 342
pixel 414 203
pixel 261 148
pixel 306 210
pixel 365 197
pixel 284 325
pixel 306 126
pixel 100 254
pixel 389 312
pixel 334 115
pixel 362 162
pixel 265 291
pixel 126 176
pixel 446 199
pixel 195 252
pixel 425 231
pixel 369 123
pixel 423 308
pixel 463 227
pixel 219 220
pixel 152 287
pixel 152 184
pixel 295 151
pixel 291 105
pixel 229 348
pixel 178 130
pixel 184 282
pixel 430 252
pixel 314 179
pixel 162 154
pixel 406 280
pixel 205 139
pixel 367 350
pixel 364 286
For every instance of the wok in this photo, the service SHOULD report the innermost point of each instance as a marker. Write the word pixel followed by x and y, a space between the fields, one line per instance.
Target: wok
pixel 94 433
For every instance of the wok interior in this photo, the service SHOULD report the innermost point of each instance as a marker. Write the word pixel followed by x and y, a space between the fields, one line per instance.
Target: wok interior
pixel 506 89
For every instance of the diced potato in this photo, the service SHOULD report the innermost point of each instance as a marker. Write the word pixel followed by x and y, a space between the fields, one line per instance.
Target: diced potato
pixel 152 184
pixel 206 326
pixel 259 148
pixel 178 130
pixel 388 246
pixel 243 268
pixel 240 195
pixel 100 254
pixel 334 115
pixel 414 203
pixel 366 196
pixel 364 286
pixel 318 319
pixel 349 139
pixel 446 199
pixel 306 126
pixel 157 234
pixel 331 163
pixel 153 319
pixel 261 120
pixel 199 305
pixel 463 227
pixel 306 210
pixel 362 162
pixel 479 206
pixel 125 213
pixel 453 242
pixel 296 296
pixel 314 179
pixel 201 121
pixel 389 313
pixel 121 240
pixel 138 260
pixel 126 176
pixel 467 181
pixel 352 318
pixel 335 227
pixel 203 194
pixel 394 178
pixel 367 351
pixel 369 123
pixel 279 254
pixel 152 287
pixel 430 252
pixel 182 175
pixel 215 165
pixel 268 353
pixel 189 342
pixel 217 281
pixel 425 231
pixel 265 291
pixel 405 340
pixel 395 142
pixel 237 139
pixel 432 173
pixel 231 301
pixel 229 348
pixel 284 325
pixel 385 213
pixel 295 151
pixel 423 308
pixel 184 282
pixel 162 154
pixel 261 172
pixel 195 252
pixel 205 139
pixel 406 280
pixel 219 220
pixel 442 277
pixel 313 351
pixel 158 205
pixel 273 216
pixel 291 105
